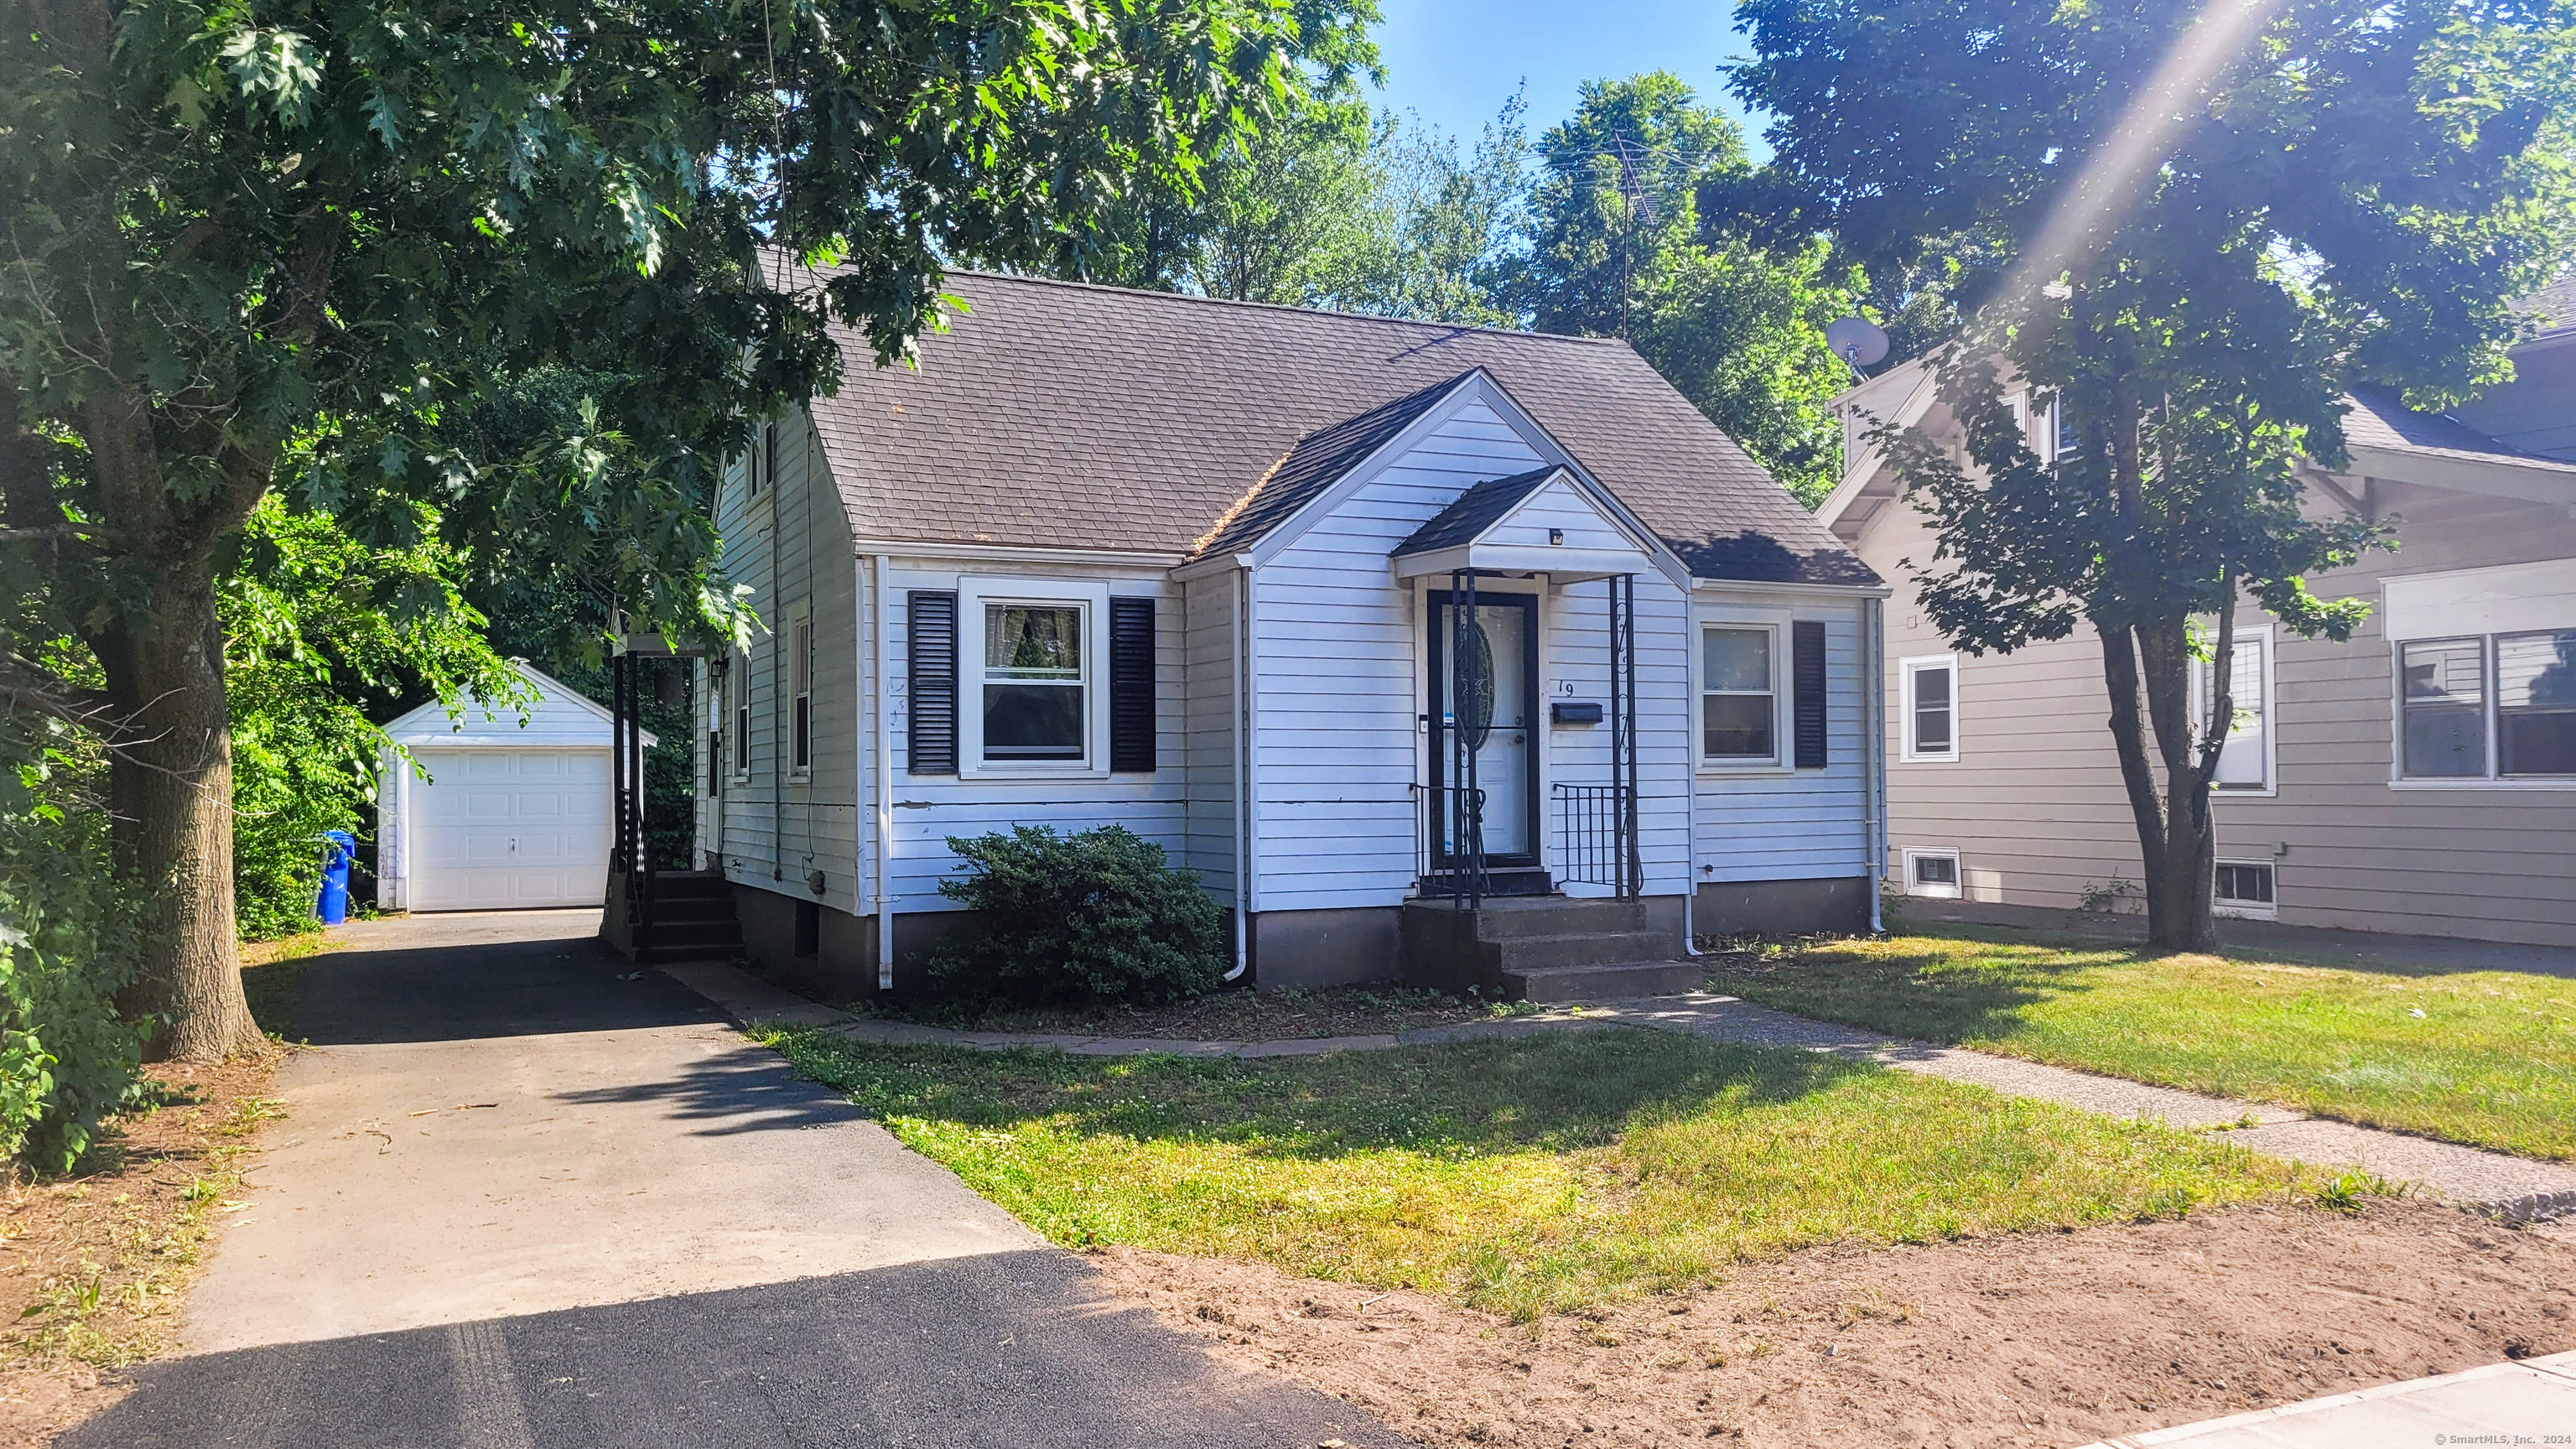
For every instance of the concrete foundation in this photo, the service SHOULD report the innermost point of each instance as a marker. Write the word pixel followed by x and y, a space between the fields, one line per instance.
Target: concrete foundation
pixel 1301 950
pixel 1781 907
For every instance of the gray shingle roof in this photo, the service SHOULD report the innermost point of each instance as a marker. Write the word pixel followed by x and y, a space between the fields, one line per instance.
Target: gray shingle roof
pixel 1473 513
pixel 1320 458
pixel 1058 414
pixel 2554 306
pixel 2378 419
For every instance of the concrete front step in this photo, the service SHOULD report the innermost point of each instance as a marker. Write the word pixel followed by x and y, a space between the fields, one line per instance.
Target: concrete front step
pixel 1584 948
pixel 1506 916
pixel 1607 982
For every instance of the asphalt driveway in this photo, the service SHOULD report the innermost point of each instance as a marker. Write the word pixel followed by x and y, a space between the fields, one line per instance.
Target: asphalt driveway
pixel 527 1195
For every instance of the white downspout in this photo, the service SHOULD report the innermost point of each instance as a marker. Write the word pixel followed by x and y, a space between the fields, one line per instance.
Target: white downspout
pixel 1874 753
pixel 1690 794
pixel 885 777
pixel 1242 628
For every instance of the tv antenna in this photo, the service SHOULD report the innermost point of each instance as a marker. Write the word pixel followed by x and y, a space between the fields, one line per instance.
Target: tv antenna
pixel 1859 342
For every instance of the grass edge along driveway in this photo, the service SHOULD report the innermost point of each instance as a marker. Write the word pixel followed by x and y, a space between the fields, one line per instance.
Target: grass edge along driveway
pixel 1528 1176
pixel 2486 1058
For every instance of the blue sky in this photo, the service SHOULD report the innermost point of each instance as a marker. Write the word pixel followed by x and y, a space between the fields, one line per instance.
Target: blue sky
pixel 1455 60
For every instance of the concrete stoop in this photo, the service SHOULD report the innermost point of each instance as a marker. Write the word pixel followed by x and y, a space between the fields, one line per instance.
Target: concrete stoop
pixel 1546 948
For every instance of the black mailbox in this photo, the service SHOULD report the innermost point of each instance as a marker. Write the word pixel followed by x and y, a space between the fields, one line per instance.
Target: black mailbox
pixel 1574 711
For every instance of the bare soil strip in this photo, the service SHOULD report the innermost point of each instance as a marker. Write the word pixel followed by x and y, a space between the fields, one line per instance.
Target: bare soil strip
pixel 2042 1340
pixel 95 1266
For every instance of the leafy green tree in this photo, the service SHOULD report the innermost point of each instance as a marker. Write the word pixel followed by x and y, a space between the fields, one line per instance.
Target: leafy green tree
pixel 1270 196
pixel 322 636
pixel 266 249
pixel 1617 247
pixel 1281 203
pixel 2193 231
pixel 1437 240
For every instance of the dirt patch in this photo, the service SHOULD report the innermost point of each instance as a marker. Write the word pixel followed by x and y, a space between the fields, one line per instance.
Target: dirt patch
pixel 94 1266
pixel 2044 1339
pixel 1224 1016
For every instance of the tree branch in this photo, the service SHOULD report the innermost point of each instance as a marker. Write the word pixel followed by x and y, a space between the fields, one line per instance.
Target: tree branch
pixel 23 682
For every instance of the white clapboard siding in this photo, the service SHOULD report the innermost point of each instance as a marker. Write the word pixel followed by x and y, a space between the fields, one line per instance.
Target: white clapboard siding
pixel 1579 656
pixel 791 546
pixel 1210 727
pixel 1810 824
pixel 1561 506
pixel 929 809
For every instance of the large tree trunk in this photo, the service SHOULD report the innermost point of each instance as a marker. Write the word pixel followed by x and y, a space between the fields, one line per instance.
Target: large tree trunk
pixel 172 791
pixel 2177 835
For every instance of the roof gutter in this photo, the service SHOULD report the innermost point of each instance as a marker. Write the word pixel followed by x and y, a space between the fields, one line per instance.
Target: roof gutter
pixel 1021 553
pixel 1822 591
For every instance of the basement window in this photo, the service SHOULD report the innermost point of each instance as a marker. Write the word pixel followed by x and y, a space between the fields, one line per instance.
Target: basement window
pixel 1932 873
pixel 2244 889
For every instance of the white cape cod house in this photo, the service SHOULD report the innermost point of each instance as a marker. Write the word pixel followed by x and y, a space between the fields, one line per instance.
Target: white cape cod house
pixel 1204 569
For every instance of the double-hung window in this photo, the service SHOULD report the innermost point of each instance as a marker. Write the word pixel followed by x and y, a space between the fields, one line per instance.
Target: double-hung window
pixel 739 685
pixel 2245 761
pixel 1035 696
pixel 1931 704
pixel 2488 707
pixel 800 718
pixel 1739 702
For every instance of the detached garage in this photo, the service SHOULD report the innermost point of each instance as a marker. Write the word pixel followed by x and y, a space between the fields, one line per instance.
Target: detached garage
pixel 501 814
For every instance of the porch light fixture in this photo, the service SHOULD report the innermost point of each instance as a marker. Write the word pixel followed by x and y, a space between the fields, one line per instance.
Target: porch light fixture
pixel 1556 535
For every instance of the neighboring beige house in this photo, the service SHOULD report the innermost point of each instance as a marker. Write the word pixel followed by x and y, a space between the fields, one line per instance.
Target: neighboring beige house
pixel 2421 778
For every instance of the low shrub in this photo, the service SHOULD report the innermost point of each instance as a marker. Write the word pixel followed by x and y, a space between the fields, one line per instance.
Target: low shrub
pixel 1096 916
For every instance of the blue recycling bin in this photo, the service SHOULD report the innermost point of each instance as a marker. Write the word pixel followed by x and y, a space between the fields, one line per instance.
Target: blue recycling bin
pixel 334 905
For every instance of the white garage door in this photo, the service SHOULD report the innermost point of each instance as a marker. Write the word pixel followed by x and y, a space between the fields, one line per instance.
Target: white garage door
pixel 495 829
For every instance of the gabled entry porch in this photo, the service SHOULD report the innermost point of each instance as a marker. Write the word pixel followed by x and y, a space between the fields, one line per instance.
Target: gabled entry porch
pixel 1531 882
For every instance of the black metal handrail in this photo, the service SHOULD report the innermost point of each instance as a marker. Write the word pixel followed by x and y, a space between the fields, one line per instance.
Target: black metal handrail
pixel 1452 857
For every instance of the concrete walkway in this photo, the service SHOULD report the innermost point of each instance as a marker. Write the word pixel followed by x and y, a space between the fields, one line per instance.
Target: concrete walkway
pixel 2516 1188
pixel 2532 1402
pixel 528 1195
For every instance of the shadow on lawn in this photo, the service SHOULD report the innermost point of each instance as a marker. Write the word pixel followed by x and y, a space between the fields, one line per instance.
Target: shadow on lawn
pixel 1932 993
pixel 1471 1099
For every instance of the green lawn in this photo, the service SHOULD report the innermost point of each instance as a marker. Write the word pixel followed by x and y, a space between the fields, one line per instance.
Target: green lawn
pixel 1527 1176
pixel 2484 1057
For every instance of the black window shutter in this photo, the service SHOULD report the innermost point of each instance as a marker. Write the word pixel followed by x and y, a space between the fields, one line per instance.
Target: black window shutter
pixel 1807 670
pixel 931 624
pixel 1131 685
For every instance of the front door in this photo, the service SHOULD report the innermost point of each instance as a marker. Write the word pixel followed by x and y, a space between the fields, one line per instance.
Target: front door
pixel 1500 719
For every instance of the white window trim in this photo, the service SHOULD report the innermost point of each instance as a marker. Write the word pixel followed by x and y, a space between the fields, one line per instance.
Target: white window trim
pixel 2246 910
pixel 1782 760
pixel 973 594
pixel 800 671
pixel 2271 786
pixel 1955 890
pixel 1906 670
pixel 2398 779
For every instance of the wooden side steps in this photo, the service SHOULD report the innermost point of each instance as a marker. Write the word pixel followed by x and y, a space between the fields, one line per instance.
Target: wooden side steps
pixel 693 920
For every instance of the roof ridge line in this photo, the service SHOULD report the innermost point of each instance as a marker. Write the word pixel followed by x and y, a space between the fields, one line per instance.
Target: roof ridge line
pixel 1290 307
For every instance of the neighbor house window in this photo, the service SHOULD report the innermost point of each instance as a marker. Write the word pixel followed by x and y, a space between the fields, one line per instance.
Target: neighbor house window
pixel 2536 703
pixel 1036 696
pixel 2245 760
pixel 1931 704
pixel 1739 695
pixel 1932 873
pixel 2244 888
pixel 2490 707
pixel 800 719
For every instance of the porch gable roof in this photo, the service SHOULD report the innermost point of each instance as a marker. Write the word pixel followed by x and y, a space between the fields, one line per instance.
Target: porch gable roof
pixel 1544 521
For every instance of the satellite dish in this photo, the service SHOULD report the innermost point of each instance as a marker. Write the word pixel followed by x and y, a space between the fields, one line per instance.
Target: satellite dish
pixel 1857 340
